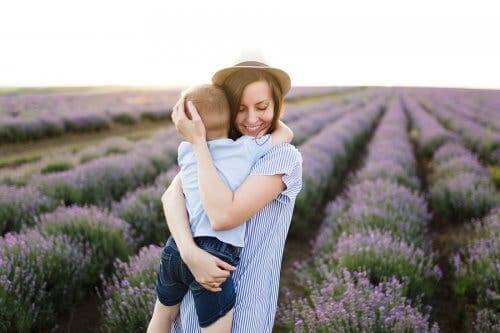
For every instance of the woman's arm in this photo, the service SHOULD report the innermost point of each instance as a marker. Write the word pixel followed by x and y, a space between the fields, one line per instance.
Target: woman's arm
pixel 174 207
pixel 205 267
pixel 282 134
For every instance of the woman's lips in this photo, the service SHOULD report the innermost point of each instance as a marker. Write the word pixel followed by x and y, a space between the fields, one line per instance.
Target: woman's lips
pixel 253 129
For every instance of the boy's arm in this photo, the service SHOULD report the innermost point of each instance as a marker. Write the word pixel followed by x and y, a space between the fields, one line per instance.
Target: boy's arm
pixel 282 134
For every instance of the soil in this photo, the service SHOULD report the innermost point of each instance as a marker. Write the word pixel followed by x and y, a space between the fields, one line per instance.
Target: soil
pixel 82 318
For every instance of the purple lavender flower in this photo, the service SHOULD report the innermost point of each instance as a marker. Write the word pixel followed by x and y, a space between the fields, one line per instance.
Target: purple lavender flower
pixel 348 302
pixel 477 266
pixel 40 276
pixel 129 295
pixel 19 206
pixel 108 236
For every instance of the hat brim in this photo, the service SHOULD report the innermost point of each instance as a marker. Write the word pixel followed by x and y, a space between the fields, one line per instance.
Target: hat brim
pixel 281 76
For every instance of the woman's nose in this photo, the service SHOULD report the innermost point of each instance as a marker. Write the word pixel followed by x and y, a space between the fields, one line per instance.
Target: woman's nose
pixel 252 117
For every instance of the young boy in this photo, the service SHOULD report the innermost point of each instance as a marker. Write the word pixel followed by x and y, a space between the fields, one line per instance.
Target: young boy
pixel 233 159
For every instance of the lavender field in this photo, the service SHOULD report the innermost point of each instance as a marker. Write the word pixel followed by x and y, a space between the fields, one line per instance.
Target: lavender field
pixel 396 229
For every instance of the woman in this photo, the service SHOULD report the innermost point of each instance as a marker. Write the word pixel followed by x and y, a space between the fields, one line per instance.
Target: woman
pixel 266 199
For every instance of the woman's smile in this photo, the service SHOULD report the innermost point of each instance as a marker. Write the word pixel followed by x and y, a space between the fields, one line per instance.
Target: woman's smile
pixel 253 129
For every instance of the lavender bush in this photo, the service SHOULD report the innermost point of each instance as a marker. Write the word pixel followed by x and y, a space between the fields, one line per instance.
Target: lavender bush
pixel 307 126
pixel 107 236
pixel 460 187
pixel 40 276
pixel 477 272
pixel 378 204
pixel 487 321
pixel 382 256
pixel 21 206
pixel 129 295
pixel 430 135
pixel 143 210
pixel 476 137
pixel 103 180
pixel 348 302
pixel 390 154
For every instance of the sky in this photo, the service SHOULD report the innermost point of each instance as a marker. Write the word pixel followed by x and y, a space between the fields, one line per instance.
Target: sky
pixel 166 43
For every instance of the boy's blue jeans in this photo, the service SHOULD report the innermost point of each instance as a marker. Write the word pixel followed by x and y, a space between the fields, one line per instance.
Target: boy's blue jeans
pixel 174 279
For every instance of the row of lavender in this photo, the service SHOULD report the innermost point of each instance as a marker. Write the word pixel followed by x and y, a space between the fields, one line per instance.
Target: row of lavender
pixel 461 190
pixel 51 162
pixel 67 160
pixel 326 157
pixel 30 116
pixel 99 235
pixel 477 271
pixel 55 262
pixel 371 263
pixel 129 295
pixel 100 182
pixel 479 106
pixel 460 187
pixel 301 92
pixel 480 137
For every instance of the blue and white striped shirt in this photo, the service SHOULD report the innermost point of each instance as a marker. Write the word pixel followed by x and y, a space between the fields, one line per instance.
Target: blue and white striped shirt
pixel 257 276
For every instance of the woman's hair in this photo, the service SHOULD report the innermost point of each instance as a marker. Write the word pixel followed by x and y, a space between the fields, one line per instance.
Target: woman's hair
pixel 235 84
pixel 212 105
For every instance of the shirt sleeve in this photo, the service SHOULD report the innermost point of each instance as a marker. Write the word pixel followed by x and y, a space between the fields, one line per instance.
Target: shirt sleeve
pixel 183 152
pixel 283 159
pixel 256 148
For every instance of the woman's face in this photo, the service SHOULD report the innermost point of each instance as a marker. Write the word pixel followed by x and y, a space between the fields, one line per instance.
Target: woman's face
pixel 256 109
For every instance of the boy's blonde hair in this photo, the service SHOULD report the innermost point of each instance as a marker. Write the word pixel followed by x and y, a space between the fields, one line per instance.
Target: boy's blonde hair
pixel 212 105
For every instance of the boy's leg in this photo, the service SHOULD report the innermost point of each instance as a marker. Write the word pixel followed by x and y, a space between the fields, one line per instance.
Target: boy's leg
pixel 210 306
pixel 170 289
pixel 163 317
pixel 222 325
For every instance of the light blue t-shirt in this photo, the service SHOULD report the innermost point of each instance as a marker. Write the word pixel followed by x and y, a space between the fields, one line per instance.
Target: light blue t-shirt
pixel 233 159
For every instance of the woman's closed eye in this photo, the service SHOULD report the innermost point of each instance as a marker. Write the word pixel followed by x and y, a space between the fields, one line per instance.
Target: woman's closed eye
pixel 260 108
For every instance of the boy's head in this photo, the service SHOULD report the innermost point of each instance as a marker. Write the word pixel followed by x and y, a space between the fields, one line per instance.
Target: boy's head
pixel 213 107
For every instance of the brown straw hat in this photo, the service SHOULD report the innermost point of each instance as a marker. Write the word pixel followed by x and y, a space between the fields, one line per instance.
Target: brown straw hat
pixel 281 76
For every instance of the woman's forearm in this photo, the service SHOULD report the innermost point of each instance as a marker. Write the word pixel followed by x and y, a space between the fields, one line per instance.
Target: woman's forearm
pixel 174 207
pixel 216 197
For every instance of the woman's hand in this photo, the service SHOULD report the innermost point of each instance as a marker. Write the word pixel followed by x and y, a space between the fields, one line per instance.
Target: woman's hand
pixel 207 269
pixel 192 129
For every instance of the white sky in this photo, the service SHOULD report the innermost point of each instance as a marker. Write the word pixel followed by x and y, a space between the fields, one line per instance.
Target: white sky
pixel 350 42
